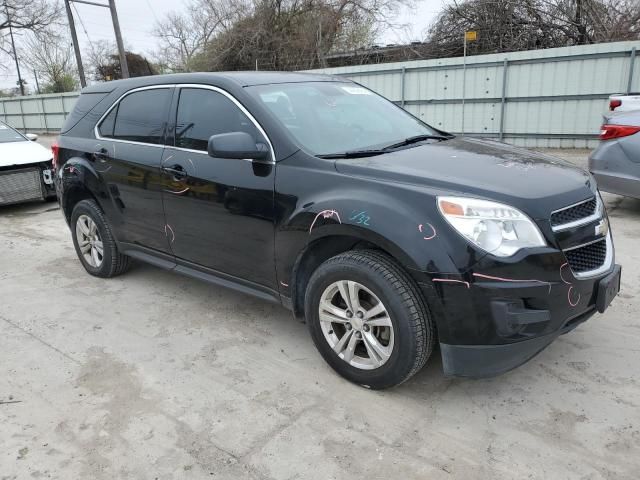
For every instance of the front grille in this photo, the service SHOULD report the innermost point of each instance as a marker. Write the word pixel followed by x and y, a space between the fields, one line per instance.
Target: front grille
pixel 20 186
pixel 574 213
pixel 588 257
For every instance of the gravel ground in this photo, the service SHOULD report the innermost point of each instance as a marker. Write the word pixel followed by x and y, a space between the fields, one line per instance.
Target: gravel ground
pixel 156 376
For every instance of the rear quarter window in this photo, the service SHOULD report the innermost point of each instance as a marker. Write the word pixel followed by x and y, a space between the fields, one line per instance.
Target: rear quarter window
pixel 85 103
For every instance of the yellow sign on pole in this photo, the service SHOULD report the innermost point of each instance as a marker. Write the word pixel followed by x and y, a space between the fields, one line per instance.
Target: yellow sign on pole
pixel 471 36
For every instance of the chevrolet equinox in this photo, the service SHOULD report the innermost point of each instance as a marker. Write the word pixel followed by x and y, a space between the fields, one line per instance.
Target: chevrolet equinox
pixel 384 234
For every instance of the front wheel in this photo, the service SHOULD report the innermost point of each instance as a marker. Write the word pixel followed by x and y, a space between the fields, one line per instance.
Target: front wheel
pixel 368 319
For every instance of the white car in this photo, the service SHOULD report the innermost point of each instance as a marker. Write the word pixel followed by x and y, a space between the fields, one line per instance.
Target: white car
pixel 25 168
pixel 623 103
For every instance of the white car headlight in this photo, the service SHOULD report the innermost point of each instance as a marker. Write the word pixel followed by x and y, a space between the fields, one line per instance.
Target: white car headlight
pixel 494 227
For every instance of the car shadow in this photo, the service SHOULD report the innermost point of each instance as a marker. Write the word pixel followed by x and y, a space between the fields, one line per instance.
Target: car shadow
pixel 27 209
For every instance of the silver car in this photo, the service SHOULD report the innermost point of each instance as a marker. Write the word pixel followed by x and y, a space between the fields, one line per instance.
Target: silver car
pixel 616 161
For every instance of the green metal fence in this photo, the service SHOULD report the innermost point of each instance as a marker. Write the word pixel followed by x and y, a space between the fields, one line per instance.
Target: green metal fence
pixel 537 98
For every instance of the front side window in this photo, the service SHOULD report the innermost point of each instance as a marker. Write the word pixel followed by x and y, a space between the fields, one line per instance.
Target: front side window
pixel 138 117
pixel 335 117
pixel 203 113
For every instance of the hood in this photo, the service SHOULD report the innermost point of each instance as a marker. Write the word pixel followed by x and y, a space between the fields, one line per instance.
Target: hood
pixel 481 168
pixel 23 153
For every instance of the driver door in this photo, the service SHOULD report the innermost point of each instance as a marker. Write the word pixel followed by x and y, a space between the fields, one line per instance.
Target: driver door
pixel 219 212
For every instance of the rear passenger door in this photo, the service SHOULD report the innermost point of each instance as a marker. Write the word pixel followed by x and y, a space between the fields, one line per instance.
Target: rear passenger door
pixel 131 137
pixel 219 211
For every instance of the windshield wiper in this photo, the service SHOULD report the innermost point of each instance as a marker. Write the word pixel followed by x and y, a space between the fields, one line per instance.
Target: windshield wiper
pixel 354 154
pixel 416 139
pixel 387 149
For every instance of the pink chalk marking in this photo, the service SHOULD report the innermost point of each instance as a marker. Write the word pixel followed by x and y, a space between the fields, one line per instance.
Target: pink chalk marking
pixel 325 214
pixel 284 284
pixel 570 287
pixel 561 277
pixel 501 279
pixel 451 280
pixel 432 229
pixel 569 297
pixel 173 235
pixel 179 192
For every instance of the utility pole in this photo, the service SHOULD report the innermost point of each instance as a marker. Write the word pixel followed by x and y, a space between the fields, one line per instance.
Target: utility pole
pixel 76 47
pixel 15 54
pixel 124 67
pixel 35 74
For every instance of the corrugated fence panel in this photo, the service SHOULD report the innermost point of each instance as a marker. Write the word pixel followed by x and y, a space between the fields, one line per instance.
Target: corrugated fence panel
pixel 38 113
pixel 551 98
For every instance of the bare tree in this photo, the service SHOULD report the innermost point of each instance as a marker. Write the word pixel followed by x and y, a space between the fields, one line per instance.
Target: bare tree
pixel 99 53
pixel 25 15
pixel 51 56
pixel 269 34
pixel 509 25
pixel 104 62
pixel 183 35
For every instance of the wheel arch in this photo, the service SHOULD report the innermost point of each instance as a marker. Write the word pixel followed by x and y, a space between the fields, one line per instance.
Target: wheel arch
pixel 79 182
pixel 324 247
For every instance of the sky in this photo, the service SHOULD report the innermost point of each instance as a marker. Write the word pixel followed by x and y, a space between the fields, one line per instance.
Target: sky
pixel 137 18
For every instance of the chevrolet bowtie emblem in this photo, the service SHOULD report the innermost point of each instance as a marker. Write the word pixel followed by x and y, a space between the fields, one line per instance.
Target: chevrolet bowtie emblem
pixel 602 228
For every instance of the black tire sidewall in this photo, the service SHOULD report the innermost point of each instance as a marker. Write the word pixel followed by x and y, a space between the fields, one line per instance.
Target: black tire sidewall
pixel 90 209
pixel 402 359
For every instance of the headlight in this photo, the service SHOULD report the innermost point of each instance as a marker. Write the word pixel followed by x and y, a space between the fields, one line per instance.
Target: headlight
pixel 494 227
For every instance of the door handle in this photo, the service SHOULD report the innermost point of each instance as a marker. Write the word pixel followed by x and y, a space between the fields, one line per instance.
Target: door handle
pixel 176 171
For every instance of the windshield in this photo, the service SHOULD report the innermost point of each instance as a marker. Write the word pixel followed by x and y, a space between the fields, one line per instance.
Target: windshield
pixel 8 134
pixel 334 117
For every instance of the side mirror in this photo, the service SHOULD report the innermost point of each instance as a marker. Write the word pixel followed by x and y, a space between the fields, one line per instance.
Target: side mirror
pixel 32 136
pixel 239 145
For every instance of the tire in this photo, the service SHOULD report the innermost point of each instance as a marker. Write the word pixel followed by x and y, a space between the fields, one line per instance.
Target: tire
pixel 111 263
pixel 404 330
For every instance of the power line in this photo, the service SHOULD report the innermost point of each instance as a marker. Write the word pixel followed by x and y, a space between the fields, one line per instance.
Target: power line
pixel 81 22
pixel 152 11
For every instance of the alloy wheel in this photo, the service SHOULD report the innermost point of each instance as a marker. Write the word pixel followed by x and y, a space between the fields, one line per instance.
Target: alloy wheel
pixel 356 324
pixel 89 241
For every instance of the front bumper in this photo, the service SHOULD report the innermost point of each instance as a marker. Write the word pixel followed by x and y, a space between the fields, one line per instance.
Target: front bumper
pixel 25 183
pixel 488 324
pixel 479 361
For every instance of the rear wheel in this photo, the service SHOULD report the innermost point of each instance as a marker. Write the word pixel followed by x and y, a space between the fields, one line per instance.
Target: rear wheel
pixel 368 319
pixel 94 241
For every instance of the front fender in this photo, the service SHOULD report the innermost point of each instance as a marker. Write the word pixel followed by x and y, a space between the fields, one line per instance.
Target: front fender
pixel 404 223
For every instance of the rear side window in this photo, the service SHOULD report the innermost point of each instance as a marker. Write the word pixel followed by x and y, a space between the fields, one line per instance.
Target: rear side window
pixel 138 117
pixel 203 113
pixel 85 103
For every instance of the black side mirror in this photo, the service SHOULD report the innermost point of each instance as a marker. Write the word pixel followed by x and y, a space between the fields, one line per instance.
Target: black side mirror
pixel 239 145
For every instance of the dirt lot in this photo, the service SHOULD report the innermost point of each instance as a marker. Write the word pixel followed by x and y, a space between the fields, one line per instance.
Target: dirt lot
pixel 153 375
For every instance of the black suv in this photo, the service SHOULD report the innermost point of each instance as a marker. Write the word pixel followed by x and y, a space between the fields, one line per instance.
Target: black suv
pixel 382 232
